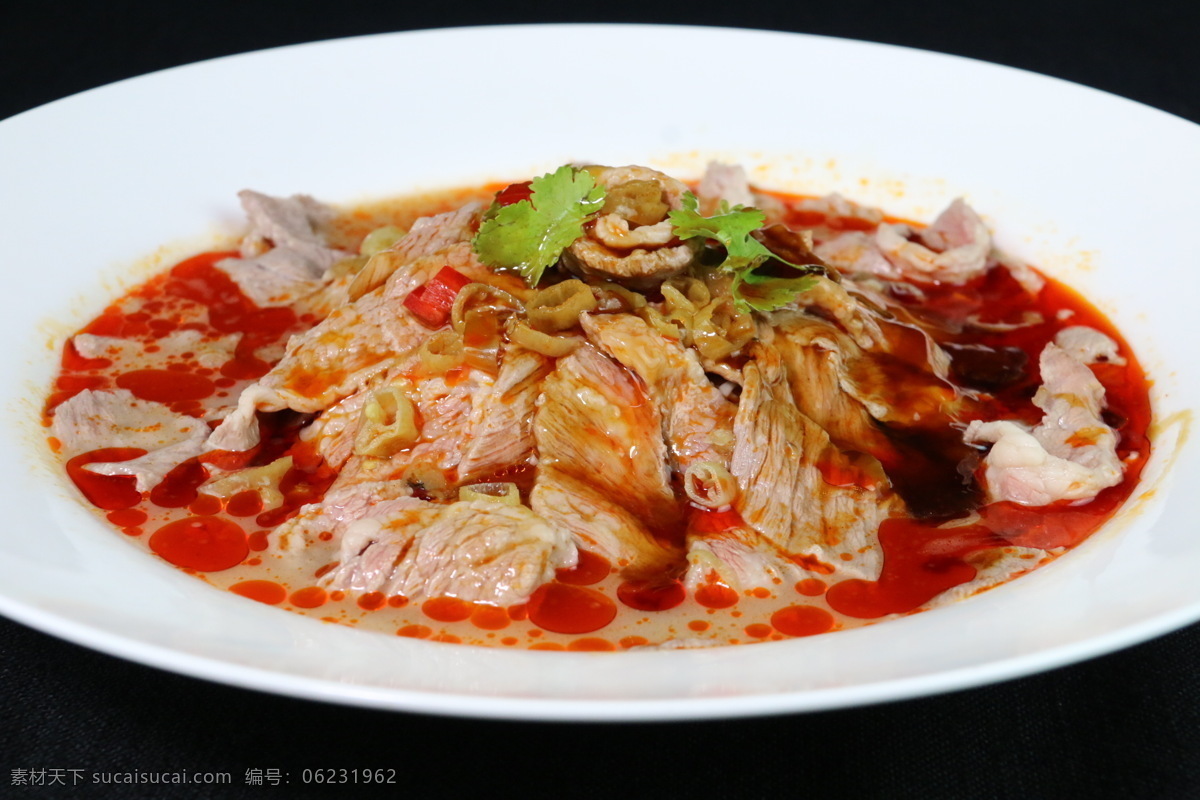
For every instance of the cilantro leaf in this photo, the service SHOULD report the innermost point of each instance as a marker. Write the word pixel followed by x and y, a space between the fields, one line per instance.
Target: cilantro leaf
pixel 529 235
pixel 732 228
pixel 766 293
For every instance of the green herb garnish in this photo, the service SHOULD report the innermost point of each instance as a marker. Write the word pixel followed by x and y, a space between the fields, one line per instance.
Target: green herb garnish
pixel 732 228
pixel 529 235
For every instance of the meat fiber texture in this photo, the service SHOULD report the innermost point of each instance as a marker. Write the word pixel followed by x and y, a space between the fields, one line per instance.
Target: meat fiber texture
pixel 697 418
pixel 478 551
pixel 357 341
pixel 783 494
pixel 340 507
pixel 285 255
pixel 127 353
pixel 96 419
pixel 1070 455
pixel 602 462
pixel 955 249
pixel 698 427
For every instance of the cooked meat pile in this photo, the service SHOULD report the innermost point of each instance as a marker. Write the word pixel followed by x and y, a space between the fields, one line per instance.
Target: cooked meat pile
pixel 744 407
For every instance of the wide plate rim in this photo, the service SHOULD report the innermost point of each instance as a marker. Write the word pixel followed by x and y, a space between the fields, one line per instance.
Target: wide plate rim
pixel 598 709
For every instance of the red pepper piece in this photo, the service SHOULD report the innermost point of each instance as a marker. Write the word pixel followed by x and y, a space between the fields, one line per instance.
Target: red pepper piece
pixel 514 193
pixel 431 303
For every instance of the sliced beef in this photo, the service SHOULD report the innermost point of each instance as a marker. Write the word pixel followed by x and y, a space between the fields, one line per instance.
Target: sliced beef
pixel 954 249
pixel 856 252
pixel 698 419
pixel 814 352
pixel 596 427
pixel 285 255
pixel 993 566
pixel 94 419
pixel 500 436
pixel 478 551
pixel 337 509
pixel 1088 345
pixel 723 183
pixel 444 409
pixel 835 206
pixel 739 558
pixel 342 353
pixel 781 459
pixel 597 521
pixel 853 394
pixel 1070 455
pixel 834 301
pixel 128 353
pixel 334 431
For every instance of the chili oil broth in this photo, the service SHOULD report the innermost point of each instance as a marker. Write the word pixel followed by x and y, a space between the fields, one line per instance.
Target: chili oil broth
pixel 590 607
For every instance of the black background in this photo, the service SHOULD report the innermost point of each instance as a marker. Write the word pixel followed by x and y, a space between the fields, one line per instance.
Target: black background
pixel 1124 725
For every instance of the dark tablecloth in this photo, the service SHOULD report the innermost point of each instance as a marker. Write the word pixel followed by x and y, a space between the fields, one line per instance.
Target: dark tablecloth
pixel 1124 725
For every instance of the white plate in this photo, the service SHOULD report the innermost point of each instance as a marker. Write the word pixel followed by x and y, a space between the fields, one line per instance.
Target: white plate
pixel 1097 190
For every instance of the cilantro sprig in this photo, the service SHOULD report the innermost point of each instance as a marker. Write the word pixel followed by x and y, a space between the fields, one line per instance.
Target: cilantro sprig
pixel 529 235
pixel 732 228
